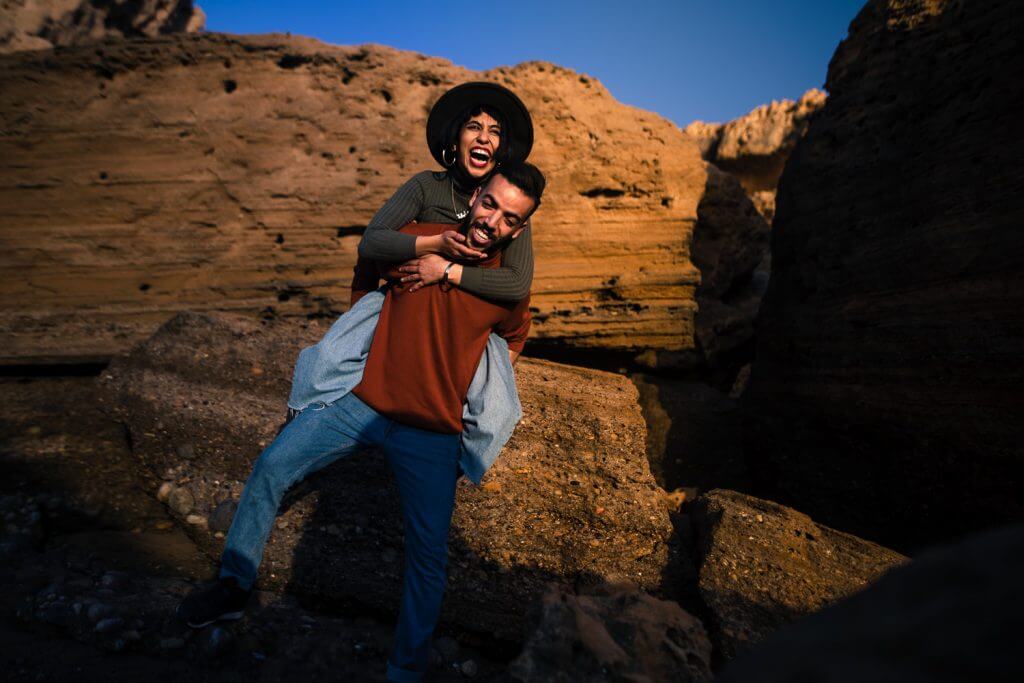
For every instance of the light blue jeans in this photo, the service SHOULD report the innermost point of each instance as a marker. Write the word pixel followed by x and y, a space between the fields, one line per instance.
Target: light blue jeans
pixel 426 467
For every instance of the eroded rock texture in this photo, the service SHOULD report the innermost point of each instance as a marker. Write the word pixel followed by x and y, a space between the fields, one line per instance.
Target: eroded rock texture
pixel 619 634
pixel 763 565
pixel 571 499
pixel 953 614
pixel 754 148
pixel 212 172
pixel 43 24
pixel 887 391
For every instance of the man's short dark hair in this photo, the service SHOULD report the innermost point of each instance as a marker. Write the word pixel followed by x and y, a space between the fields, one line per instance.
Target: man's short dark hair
pixel 527 178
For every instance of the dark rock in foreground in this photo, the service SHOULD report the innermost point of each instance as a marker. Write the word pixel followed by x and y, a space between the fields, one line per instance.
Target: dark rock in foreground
pixel 571 499
pixel 764 565
pixel 624 635
pixel 956 613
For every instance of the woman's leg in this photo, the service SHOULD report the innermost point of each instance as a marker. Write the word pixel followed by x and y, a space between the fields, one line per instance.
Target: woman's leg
pixel 426 469
pixel 315 438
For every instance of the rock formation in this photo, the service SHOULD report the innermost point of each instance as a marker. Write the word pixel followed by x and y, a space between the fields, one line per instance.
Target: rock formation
pixel 754 147
pixel 617 635
pixel 953 614
pixel 763 565
pixel 886 394
pixel 571 499
pixel 213 172
pixel 44 24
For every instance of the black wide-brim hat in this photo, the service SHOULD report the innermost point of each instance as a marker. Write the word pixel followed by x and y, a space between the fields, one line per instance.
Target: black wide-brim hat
pixel 459 98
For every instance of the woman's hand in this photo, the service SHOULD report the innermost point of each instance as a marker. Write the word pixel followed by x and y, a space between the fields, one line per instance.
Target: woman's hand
pixel 453 246
pixel 450 244
pixel 423 271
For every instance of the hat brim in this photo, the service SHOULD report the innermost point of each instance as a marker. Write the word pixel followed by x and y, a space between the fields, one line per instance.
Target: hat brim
pixel 456 100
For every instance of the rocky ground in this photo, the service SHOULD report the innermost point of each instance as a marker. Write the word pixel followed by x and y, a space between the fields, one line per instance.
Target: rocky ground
pixel 95 568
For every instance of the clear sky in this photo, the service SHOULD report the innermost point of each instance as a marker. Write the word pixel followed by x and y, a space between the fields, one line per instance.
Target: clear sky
pixel 685 59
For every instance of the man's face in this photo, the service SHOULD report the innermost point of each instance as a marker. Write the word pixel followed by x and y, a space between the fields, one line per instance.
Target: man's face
pixel 497 215
pixel 478 141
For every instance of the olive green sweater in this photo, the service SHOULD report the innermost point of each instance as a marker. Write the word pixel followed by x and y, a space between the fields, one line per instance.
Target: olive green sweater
pixel 431 197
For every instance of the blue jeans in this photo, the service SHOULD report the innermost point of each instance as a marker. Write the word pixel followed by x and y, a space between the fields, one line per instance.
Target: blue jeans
pixel 426 467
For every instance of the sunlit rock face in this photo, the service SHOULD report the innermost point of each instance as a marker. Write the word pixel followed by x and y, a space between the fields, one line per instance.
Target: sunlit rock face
pixel 886 393
pixel 212 172
pixel 754 147
pixel 43 24
pixel 764 565
pixel 570 500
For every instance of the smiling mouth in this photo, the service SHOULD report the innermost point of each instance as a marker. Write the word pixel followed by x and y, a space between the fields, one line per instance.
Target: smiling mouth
pixel 479 157
pixel 480 236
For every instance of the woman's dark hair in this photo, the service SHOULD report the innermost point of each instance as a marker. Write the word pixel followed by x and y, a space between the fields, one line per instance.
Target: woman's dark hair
pixel 454 127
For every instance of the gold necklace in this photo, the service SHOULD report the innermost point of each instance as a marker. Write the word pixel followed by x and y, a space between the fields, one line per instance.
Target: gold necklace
pixel 458 214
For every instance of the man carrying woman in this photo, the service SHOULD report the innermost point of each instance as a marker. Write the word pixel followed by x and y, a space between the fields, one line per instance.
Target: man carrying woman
pixel 405 387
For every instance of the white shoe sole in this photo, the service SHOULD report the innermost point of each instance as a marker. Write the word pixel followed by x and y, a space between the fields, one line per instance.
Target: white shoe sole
pixel 227 616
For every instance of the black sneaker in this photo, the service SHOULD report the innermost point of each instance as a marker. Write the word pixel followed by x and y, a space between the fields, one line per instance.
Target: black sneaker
pixel 222 601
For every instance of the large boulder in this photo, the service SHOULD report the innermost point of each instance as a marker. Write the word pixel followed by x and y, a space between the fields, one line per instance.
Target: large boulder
pixel 755 147
pixel 763 565
pixel 617 634
pixel 953 614
pixel 570 500
pixel 886 394
pixel 218 172
pixel 44 24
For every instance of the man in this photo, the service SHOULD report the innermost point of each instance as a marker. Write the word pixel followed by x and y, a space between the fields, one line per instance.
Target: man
pixel 409 402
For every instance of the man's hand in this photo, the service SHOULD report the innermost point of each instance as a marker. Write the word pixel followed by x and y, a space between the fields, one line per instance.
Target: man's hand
pixel 423 271
pixel 450 244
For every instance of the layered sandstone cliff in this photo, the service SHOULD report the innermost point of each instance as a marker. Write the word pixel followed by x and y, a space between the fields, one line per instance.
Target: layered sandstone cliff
pixel 754 147
pixel 887 389
pixel 43 24
pixel 212 172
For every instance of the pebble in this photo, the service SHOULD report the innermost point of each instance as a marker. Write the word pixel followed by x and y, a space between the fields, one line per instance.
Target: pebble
pixel 181 501
pixel 164 492
pixel 99 611
pixel 186 451
pixel 220 518
pixel 468 668
pixel 196 520
pixel 77 608
pixel 109 625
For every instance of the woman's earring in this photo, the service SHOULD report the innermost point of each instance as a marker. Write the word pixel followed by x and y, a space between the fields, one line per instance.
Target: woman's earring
pixel 444 158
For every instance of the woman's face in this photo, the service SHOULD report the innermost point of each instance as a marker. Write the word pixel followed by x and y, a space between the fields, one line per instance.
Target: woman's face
pixel 478 141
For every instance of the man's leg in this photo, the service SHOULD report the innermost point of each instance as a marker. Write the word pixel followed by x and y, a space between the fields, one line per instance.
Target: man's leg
pixel 426 468
pixel 315 438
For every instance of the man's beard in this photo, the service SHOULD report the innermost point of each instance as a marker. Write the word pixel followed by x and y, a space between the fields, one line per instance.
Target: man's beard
pixel 493 247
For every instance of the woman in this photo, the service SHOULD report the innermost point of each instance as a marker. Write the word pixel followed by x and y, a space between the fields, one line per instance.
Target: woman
pixel 472 129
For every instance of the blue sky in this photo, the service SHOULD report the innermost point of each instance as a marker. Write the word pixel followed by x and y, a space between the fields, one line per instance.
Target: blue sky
pixel 685 59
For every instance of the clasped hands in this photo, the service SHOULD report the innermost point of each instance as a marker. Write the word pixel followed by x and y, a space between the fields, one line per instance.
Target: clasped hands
pixel 429 268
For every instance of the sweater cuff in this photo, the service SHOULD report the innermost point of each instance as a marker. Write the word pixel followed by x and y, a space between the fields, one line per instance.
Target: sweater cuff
pixel 471 279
